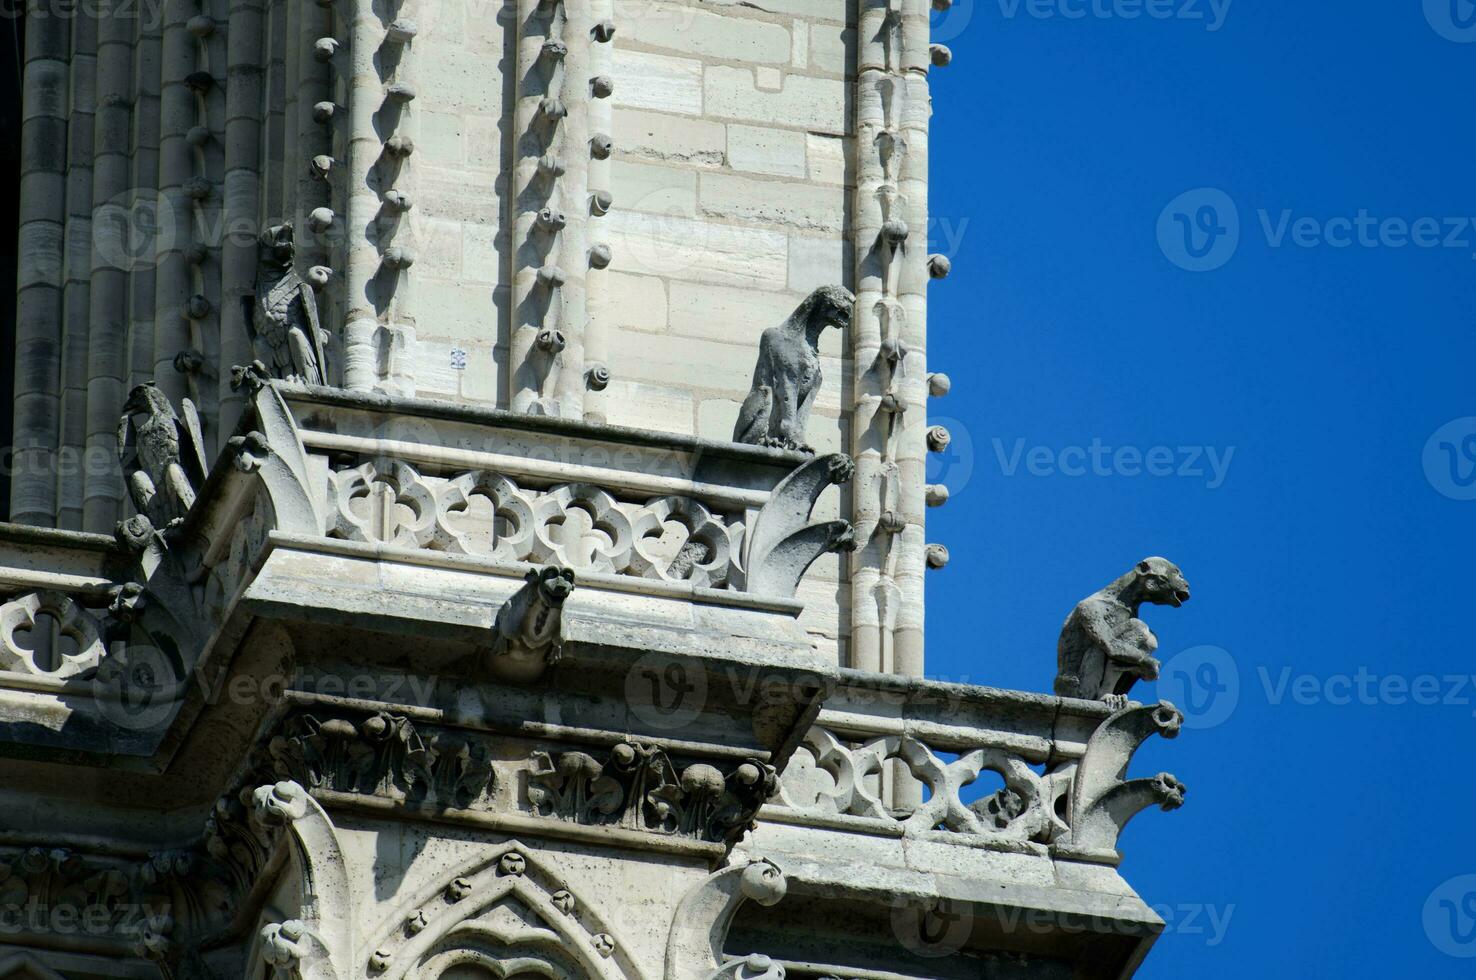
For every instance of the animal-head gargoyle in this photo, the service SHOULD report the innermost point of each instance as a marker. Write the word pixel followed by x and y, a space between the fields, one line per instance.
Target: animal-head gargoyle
pixel 1103 799
pixel 527 634
pixel 782 543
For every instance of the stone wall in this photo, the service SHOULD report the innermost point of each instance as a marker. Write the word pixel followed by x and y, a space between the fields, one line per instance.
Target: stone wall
pixel 702 171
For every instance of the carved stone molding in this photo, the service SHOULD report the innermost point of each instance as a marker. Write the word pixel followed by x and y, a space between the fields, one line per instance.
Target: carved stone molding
pixel 639 787
pixel 381 755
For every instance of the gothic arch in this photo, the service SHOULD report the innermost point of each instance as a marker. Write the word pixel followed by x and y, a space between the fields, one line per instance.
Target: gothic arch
pixel 507 908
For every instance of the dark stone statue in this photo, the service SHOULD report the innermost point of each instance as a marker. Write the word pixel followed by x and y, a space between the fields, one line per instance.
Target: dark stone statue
pixel 788 377
pixel 162 457
pixel 284 313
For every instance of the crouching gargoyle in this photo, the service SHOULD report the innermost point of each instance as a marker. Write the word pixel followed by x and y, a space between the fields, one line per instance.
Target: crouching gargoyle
pixel 162 455
pixel 1104 647
pixel 788 377
pixel 527 635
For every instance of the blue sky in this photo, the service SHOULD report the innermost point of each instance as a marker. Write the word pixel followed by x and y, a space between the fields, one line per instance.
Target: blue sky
pixel 1327 812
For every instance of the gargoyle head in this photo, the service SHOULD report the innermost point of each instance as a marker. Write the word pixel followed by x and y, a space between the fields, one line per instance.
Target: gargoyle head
pixel 276 248
pixel 1161 583
pixel 147 399
pixel 1169 791
pixel 828 306
pixel 553 583
pixel 840 468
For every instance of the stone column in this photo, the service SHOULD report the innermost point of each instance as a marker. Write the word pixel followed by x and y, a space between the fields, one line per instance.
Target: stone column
pixel 77 308
pixel 560 46
pixel 889 346
pixel 106 343
pixel 245 68
pixel 47 88
pixel 363 91
pixel 142 203
pixel 596 376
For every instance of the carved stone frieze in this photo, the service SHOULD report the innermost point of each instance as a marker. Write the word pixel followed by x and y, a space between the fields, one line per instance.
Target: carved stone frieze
pixel 639 787
pixel 381 755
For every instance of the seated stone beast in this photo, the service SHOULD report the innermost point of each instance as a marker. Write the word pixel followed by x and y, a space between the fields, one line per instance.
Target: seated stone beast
pixel 526 635
pixel 1105 648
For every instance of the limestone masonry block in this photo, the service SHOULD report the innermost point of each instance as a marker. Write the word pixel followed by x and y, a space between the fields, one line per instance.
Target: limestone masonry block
pixel 674 139
pixel 441 138
pixel 660 407
pixel 481 253
pixel 638 302
pixel 813 262
pixel 685 28
pixel 832 49
pixel 660 82
pixel 818 104
pixel 653 188
pixel 699 363
pixel 827 158
pixel 678 247
pixel 484 143
pixel 780 152
pixel 732 315
pixel 797 205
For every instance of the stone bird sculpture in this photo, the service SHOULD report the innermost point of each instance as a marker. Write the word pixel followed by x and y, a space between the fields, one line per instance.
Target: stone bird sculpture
pixel 787 377
pixel 284 312
pixel 162 457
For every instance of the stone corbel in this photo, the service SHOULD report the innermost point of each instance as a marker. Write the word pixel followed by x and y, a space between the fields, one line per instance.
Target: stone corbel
pixel 319 943
pixel 1103 800
pixel 782 543
pixel 700 926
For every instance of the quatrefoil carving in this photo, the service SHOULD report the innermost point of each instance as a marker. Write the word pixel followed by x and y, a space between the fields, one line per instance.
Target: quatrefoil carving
pixel 582 527
pixel 699 552
pixel 512 517
pixel 73 621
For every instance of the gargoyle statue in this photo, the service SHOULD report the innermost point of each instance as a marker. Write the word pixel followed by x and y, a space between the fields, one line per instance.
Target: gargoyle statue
pixel 526 633
pixel 787 377
pixel 163 458
pixel 284 312
pixel 1105 648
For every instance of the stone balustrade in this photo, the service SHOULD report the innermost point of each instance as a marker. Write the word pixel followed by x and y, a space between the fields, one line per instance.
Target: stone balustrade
pixel 912 759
